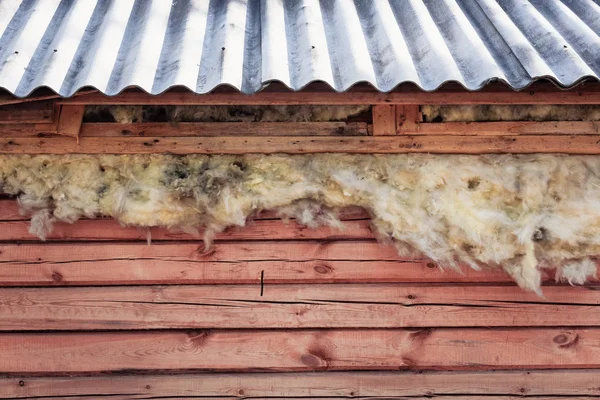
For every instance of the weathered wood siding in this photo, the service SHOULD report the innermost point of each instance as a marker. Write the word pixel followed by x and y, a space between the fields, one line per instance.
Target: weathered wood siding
pixel 276 310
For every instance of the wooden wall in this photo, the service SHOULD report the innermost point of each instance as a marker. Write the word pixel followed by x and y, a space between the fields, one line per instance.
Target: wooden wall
pixel 276 310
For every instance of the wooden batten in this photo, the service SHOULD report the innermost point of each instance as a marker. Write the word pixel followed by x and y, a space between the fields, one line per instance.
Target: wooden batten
pixel 419 385
pixel 70 119
pixel 38 112
pixel 440 144
pixel 408 118
pixel 384 119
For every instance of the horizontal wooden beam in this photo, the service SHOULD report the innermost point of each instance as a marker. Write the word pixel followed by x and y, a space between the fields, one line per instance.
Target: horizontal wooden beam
pixel 448 144
pixel 540 93
pixel 507 128
pixel 110 230
pixel 293 307
pixel 166 129
pixel 374 385
pixel 299 350
pixel 226 263
pixel 30 112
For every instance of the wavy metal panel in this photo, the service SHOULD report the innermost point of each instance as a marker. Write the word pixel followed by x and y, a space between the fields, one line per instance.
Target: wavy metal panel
pixel 201 44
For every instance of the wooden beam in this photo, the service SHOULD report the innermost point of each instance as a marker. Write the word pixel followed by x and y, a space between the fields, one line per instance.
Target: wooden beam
pixel 299 350
pixel 374 385
pixel 539 93
pixel 69 121
pixel 408 118
pixel 38 112
pixel 384 119
pixel 508 128
pixel 28 130
pixel 226 263
pixel 108 229
pixel 166 129
pixel 439 144
pixel 293 307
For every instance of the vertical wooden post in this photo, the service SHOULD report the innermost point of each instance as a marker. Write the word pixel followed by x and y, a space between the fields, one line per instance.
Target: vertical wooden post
pixel 408 118
pixel 69 120
pixel 384 119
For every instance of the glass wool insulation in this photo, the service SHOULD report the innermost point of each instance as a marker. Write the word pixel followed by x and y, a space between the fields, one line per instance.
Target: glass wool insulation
pixel 519 213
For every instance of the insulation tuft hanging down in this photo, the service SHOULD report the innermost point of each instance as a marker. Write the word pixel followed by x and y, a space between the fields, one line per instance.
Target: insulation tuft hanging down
pixel 518 213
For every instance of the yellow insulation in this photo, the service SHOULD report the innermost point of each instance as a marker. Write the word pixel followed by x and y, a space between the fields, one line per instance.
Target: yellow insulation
pixel 519 213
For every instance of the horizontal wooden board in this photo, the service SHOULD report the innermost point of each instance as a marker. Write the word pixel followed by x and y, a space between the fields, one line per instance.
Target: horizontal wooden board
pixel 229 263
pixel 28 112
pixel 452 144
pixel 294 306
pixel 508 128
pixel 311 384
pixel 108 229
pixel 299 350
pixel 177 129
pixel 538 93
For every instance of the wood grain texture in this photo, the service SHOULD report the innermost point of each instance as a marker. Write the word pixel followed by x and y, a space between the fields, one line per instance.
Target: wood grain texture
pixel 178 129
pixel 293 307
pixel 451 144
pixel 30 112
pixel 300 350
pixel 508 128
pixel 408 118
pixel 227 263
pixel 385 384
pixel 111 230
pixel 69 121
pixel 384 119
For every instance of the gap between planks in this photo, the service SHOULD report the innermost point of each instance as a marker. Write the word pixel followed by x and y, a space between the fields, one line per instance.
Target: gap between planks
pixel 294 307
pixel 299 350
pixel 564 383
pixel 440 144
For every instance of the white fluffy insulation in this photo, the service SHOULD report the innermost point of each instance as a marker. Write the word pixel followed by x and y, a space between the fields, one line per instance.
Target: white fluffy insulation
pixel 468 113
pixel 308 113
pixel 519 213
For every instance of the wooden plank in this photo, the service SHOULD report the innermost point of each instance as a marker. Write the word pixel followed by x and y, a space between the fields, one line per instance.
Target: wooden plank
pixel 31 112
pixel 207 129
pixel 28 130
pixel 293 307
pixel 299 350
pixel 9 210
pixel 508 128
pixel 408 118
pixel 538 93
pixel 228 263
pixel 452 144
pixel 108 229
pixel 383 384
pixel 384 119
pixel 37 96
pixel 69 121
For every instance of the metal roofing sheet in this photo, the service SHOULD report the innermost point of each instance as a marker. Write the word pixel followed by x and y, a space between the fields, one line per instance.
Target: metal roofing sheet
pixel 201 44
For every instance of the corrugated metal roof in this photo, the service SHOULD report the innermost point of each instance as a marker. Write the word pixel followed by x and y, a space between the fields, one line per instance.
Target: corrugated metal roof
pixel 201 44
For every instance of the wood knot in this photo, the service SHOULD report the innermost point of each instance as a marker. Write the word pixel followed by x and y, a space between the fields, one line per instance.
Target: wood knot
pixel 241 392
pixel 205 251
pixel 323 269
pixel 21 383
pixel 431 265
pixel 566 339
pixel 57 276
pixel 313 361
